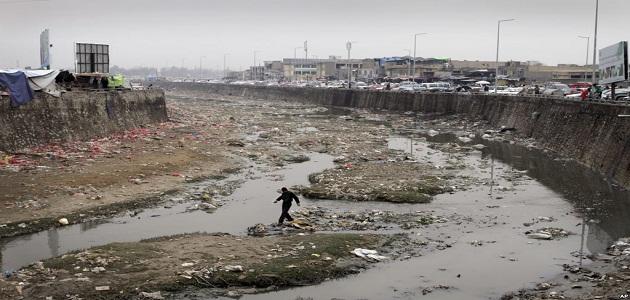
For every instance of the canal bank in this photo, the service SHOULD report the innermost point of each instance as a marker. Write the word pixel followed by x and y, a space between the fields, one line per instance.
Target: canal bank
pixel 78 115
pixel 591 133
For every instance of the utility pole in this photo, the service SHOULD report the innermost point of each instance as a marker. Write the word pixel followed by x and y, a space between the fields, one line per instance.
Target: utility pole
pixel 254 66
pixel 349 65
pixel 225 65
pixel 306 59
pixel 409 64
pixel 200 66
pixel 595 43
pixel 496 73
pixel 588 43
pixel 415 39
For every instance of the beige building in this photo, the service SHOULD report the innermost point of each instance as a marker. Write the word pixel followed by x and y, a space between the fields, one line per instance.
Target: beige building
pixel 562 73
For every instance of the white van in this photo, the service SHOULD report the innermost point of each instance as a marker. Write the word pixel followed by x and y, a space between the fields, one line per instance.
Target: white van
pixel 437 86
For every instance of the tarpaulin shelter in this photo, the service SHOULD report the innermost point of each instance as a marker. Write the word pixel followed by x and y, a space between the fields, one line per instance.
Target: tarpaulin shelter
pixel 43 80
pixel 18 86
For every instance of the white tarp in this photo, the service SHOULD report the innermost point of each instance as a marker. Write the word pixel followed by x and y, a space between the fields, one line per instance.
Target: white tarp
pixel 40 80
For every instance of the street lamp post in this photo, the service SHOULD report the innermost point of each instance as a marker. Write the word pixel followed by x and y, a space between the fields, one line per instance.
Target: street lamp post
pixel 254 66
pixel 415 39
pixel 306 60
pixel 295 51
pixel 595 42
pixel 200 68
pixel 588 43
pixel 496 72
pixel 409 65
pixel 225 65
pixel 348 64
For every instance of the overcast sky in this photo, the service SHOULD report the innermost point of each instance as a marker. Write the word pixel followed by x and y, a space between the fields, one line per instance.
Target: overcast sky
pixel 167 33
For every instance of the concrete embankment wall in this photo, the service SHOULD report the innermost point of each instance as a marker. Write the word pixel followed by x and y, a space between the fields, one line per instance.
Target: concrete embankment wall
pixel 77 115
pixel 591 133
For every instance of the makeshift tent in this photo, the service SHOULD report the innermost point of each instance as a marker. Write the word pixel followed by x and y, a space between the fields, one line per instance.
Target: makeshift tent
pixel 17 83
pixel 43 80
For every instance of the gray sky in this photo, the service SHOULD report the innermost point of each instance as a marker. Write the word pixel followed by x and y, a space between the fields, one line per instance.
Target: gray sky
pixel 163 33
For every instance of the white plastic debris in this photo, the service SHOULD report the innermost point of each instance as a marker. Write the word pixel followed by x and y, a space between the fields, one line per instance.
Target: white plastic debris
pixel 360 252
pixel 236 268
pixel 377 257
pixel 368 254
pixel 98 269
pixel 188 264
pixel 155 295
pixel 433 132
pixel 102 288
pixel 464 139
pixel 540 236
pixel 63 221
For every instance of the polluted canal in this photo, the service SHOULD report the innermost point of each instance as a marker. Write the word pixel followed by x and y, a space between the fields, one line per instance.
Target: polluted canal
pixel 250 202
pixel 500 216
pixel 492 256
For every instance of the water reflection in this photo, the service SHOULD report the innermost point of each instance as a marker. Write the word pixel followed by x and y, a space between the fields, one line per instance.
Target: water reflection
pixel 582 187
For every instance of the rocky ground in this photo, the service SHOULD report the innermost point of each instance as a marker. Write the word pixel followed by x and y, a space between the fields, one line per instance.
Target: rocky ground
pixel 210 137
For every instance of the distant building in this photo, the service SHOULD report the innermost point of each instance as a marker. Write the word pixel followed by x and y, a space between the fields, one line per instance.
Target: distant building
pixel 426 69
pixel 560 73
pixel 273 70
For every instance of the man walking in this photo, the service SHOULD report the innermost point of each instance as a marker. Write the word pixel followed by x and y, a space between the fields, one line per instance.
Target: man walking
pixel 287 197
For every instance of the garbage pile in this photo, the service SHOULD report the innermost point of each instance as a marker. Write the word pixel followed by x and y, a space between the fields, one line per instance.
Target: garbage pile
pixel 312 219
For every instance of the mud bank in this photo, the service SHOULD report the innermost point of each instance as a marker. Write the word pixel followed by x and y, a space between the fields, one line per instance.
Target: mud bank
pixel 77 115
pixel 139 270
pixel 591 133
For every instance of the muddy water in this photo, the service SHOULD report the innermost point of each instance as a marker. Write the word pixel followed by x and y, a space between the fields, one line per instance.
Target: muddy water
pixel 507 260
pixel 251 203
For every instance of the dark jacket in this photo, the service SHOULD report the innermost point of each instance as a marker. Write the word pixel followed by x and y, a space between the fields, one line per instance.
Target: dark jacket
pixel 287 197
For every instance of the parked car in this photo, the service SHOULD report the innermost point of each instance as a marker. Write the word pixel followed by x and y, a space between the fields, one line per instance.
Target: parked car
pixel 499 89
pixel 409 86
pixel 360 85
pixel 557 89
pixel 620 93
pixel 510 91
pixel 437 87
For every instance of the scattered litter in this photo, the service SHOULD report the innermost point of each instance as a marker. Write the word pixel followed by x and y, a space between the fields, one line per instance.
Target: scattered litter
pixel 63 221
pixel 547 233
pixel 368 254
pixel 154 295
pixel 235 268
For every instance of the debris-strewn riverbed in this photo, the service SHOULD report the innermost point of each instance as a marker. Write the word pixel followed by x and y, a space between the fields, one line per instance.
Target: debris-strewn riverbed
pixel 447 208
